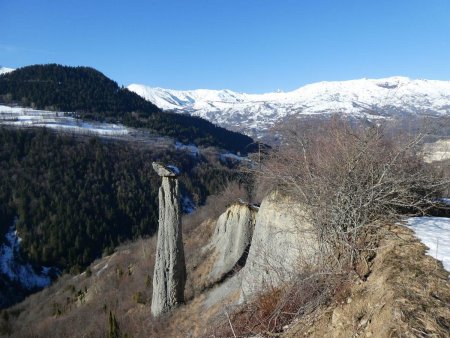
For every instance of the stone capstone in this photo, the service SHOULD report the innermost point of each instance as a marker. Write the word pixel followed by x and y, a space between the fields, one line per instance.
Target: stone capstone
pixel 165 170
pixel 169 275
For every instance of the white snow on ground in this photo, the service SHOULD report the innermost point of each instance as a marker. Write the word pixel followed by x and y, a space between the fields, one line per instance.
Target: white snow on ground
pixel 437 151
pixel 253 113
pixel 15 269
pixel 4 70
pixel 434 232
pixel 26 117
pixel 232 156
pixel 190 148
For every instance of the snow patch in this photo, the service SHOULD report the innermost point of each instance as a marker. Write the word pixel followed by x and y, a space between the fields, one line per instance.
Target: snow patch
pixel 18 270
pixel 26 117
pixel 190 148
pixel 231 156
pixel 434 232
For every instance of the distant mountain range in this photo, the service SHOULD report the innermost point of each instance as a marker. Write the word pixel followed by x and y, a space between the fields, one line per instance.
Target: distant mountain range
pixel 254 114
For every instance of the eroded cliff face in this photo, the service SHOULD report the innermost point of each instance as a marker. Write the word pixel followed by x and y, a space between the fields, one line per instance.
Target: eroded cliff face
pixel 283 243
pixel 231 239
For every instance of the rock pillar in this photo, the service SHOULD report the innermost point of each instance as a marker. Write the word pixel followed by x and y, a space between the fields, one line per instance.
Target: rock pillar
pixel 169 276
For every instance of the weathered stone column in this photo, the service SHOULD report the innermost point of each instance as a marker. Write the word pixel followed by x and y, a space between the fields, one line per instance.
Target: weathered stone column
pixel 169 276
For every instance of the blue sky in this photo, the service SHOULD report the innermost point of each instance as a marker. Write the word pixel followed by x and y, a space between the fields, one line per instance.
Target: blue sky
pixel 243 45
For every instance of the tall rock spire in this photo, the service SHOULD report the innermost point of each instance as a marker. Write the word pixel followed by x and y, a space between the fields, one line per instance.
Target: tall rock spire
pixel 169 276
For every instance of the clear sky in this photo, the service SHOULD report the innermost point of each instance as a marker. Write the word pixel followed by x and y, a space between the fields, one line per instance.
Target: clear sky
pixel 243 45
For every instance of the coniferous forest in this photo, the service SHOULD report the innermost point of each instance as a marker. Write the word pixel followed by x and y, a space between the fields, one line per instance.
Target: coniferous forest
pixel 77 199
pixel 89 94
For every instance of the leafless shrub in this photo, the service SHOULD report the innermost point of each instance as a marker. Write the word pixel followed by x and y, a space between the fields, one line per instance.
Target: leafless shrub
pixel 275 308
pixel 352 179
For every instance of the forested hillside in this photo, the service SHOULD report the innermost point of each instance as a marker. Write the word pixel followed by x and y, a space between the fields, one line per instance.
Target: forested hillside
pixel 91 95
pixel 78 199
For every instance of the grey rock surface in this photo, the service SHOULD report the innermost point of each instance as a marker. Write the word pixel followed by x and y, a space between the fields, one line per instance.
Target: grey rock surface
pixel 169 277
pixel 231 239
pixel 283 242
pixel 165 170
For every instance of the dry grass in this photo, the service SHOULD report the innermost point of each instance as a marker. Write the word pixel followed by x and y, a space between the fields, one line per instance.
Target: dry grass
pixel 269 312
pixel 79 306
pixel 406 294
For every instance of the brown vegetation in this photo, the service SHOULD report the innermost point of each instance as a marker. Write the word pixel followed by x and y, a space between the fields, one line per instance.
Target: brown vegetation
pixel 406 294
pixel 113 296
pixel 373 278
pixel 353 180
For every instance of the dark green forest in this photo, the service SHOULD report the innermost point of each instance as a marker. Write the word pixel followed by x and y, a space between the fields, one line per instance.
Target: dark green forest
pixel 91 95
pixel 77 199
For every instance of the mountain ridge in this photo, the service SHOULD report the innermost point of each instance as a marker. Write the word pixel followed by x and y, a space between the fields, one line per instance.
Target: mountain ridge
pixel 88 94
pixel 255 113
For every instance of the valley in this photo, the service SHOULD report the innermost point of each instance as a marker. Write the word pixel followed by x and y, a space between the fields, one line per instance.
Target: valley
pixel 261 225
pixel 225 169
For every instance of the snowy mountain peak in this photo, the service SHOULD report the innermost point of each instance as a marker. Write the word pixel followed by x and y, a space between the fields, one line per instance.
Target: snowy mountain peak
pixel 255 113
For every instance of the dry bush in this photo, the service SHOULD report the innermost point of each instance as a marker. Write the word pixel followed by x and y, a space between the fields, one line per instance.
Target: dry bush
pixel 269 312
pixel 352 179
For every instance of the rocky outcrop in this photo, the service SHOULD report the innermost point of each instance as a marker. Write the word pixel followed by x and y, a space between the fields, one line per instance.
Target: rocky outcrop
pixel 283 242
pixel 231 239
pixel 169 276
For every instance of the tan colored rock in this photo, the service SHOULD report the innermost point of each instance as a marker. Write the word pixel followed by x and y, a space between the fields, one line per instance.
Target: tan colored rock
pixel 283 242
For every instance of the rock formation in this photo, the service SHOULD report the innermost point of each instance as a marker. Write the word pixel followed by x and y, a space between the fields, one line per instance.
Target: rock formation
pixel 282 242
pixel 231 239
pixel 169 276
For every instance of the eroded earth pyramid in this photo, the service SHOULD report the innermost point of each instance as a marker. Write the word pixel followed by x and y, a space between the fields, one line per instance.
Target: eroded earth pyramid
pixel 169 276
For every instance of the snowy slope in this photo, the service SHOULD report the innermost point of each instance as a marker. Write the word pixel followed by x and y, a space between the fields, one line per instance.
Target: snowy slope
pixel 4 70
pixel 27 117
pixel 16 269
pixel 434 232
pixel 254 113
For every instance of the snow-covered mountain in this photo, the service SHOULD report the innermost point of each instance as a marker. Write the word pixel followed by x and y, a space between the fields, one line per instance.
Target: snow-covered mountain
pixel 4 70
pixel 255 113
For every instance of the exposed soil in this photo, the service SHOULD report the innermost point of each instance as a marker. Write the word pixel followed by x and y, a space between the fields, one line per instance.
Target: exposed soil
pixel 403 293
pixel 406 294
